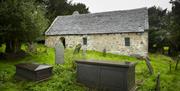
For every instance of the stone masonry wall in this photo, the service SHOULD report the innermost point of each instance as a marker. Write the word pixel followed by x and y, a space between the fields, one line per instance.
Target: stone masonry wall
pixel 114 43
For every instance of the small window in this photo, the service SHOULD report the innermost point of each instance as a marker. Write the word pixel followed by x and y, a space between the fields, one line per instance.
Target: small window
pixel 127 41
pixel 85 41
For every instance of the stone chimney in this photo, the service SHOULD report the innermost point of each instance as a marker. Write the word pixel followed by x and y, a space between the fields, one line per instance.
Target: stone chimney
pixel 75 13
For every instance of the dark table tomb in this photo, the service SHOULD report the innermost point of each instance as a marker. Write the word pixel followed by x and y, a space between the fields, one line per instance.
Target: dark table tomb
pixel 35 72
pixel 106 75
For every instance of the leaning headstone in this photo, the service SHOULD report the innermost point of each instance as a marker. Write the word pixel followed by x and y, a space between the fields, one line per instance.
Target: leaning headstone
pixel 158 83
pixel 59 53
pixel 77 49
pixel 147 60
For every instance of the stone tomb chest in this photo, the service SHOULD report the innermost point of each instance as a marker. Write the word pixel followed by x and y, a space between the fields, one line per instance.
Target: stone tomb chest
pixel 35 72
pixel 107 76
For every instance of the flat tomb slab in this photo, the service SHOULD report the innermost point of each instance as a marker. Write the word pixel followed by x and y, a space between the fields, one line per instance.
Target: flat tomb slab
pixel 35 72
pixel 106 75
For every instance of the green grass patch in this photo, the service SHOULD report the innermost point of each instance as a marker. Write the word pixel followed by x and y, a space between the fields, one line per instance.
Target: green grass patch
pixel 64 76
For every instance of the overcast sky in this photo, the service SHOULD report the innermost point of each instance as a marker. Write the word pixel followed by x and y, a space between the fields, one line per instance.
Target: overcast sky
pixel 111 5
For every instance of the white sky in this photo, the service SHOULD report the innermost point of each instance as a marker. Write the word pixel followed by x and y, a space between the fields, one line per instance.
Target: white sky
pixel 112 5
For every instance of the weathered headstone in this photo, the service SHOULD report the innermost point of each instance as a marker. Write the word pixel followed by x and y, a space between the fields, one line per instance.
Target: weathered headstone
pixel 147 60
pixel 35 72
pixel 59 53
pixel 158 83
pixel 77 49
pixel 106 75
pixel 84 52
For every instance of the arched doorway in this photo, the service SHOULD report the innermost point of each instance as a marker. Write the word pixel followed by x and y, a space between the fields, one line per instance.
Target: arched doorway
pixel 63 41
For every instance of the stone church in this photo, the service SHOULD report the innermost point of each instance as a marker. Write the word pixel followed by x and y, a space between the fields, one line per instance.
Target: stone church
pixel 121 32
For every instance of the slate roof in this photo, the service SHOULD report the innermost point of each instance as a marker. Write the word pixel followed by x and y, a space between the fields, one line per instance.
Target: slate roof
pixel 135 20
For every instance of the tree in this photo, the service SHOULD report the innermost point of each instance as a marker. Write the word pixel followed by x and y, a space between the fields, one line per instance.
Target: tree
pixel 176 24
pixel 21 21
pixel 81 8
pixel 165 28
pixel 63 7
pixel 158 31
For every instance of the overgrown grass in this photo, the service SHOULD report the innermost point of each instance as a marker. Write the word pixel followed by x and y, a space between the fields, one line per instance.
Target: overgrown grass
pixel 64 76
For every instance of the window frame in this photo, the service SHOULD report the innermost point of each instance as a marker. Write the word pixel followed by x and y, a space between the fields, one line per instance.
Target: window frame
pixel 84 40
pixel 127 41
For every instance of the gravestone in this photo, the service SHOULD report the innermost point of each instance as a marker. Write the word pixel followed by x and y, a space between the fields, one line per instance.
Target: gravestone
pixel 106 75
pixel 77 49
pixel 148 63
pixel 84 48
pixel 35 72
pixel 157 88
pixel 59 53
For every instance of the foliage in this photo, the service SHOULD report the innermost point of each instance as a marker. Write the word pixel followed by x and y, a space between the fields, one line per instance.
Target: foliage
pixel 176 23
pixel 20 21
pixel 63 7
pixel 165 28
pixel 25 20
pixel 158 32
pixel 64 76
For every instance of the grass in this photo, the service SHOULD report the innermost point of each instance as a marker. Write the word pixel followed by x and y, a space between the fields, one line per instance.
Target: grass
pixel 64 76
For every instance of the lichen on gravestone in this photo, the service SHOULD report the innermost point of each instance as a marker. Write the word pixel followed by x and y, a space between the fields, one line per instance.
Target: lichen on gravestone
pixel 59 53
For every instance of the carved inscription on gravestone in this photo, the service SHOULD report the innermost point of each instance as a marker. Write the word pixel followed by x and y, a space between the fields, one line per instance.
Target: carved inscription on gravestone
pixel 59 53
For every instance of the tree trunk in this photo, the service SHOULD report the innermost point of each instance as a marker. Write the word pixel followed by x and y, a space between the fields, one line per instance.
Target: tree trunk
pixel 13 46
